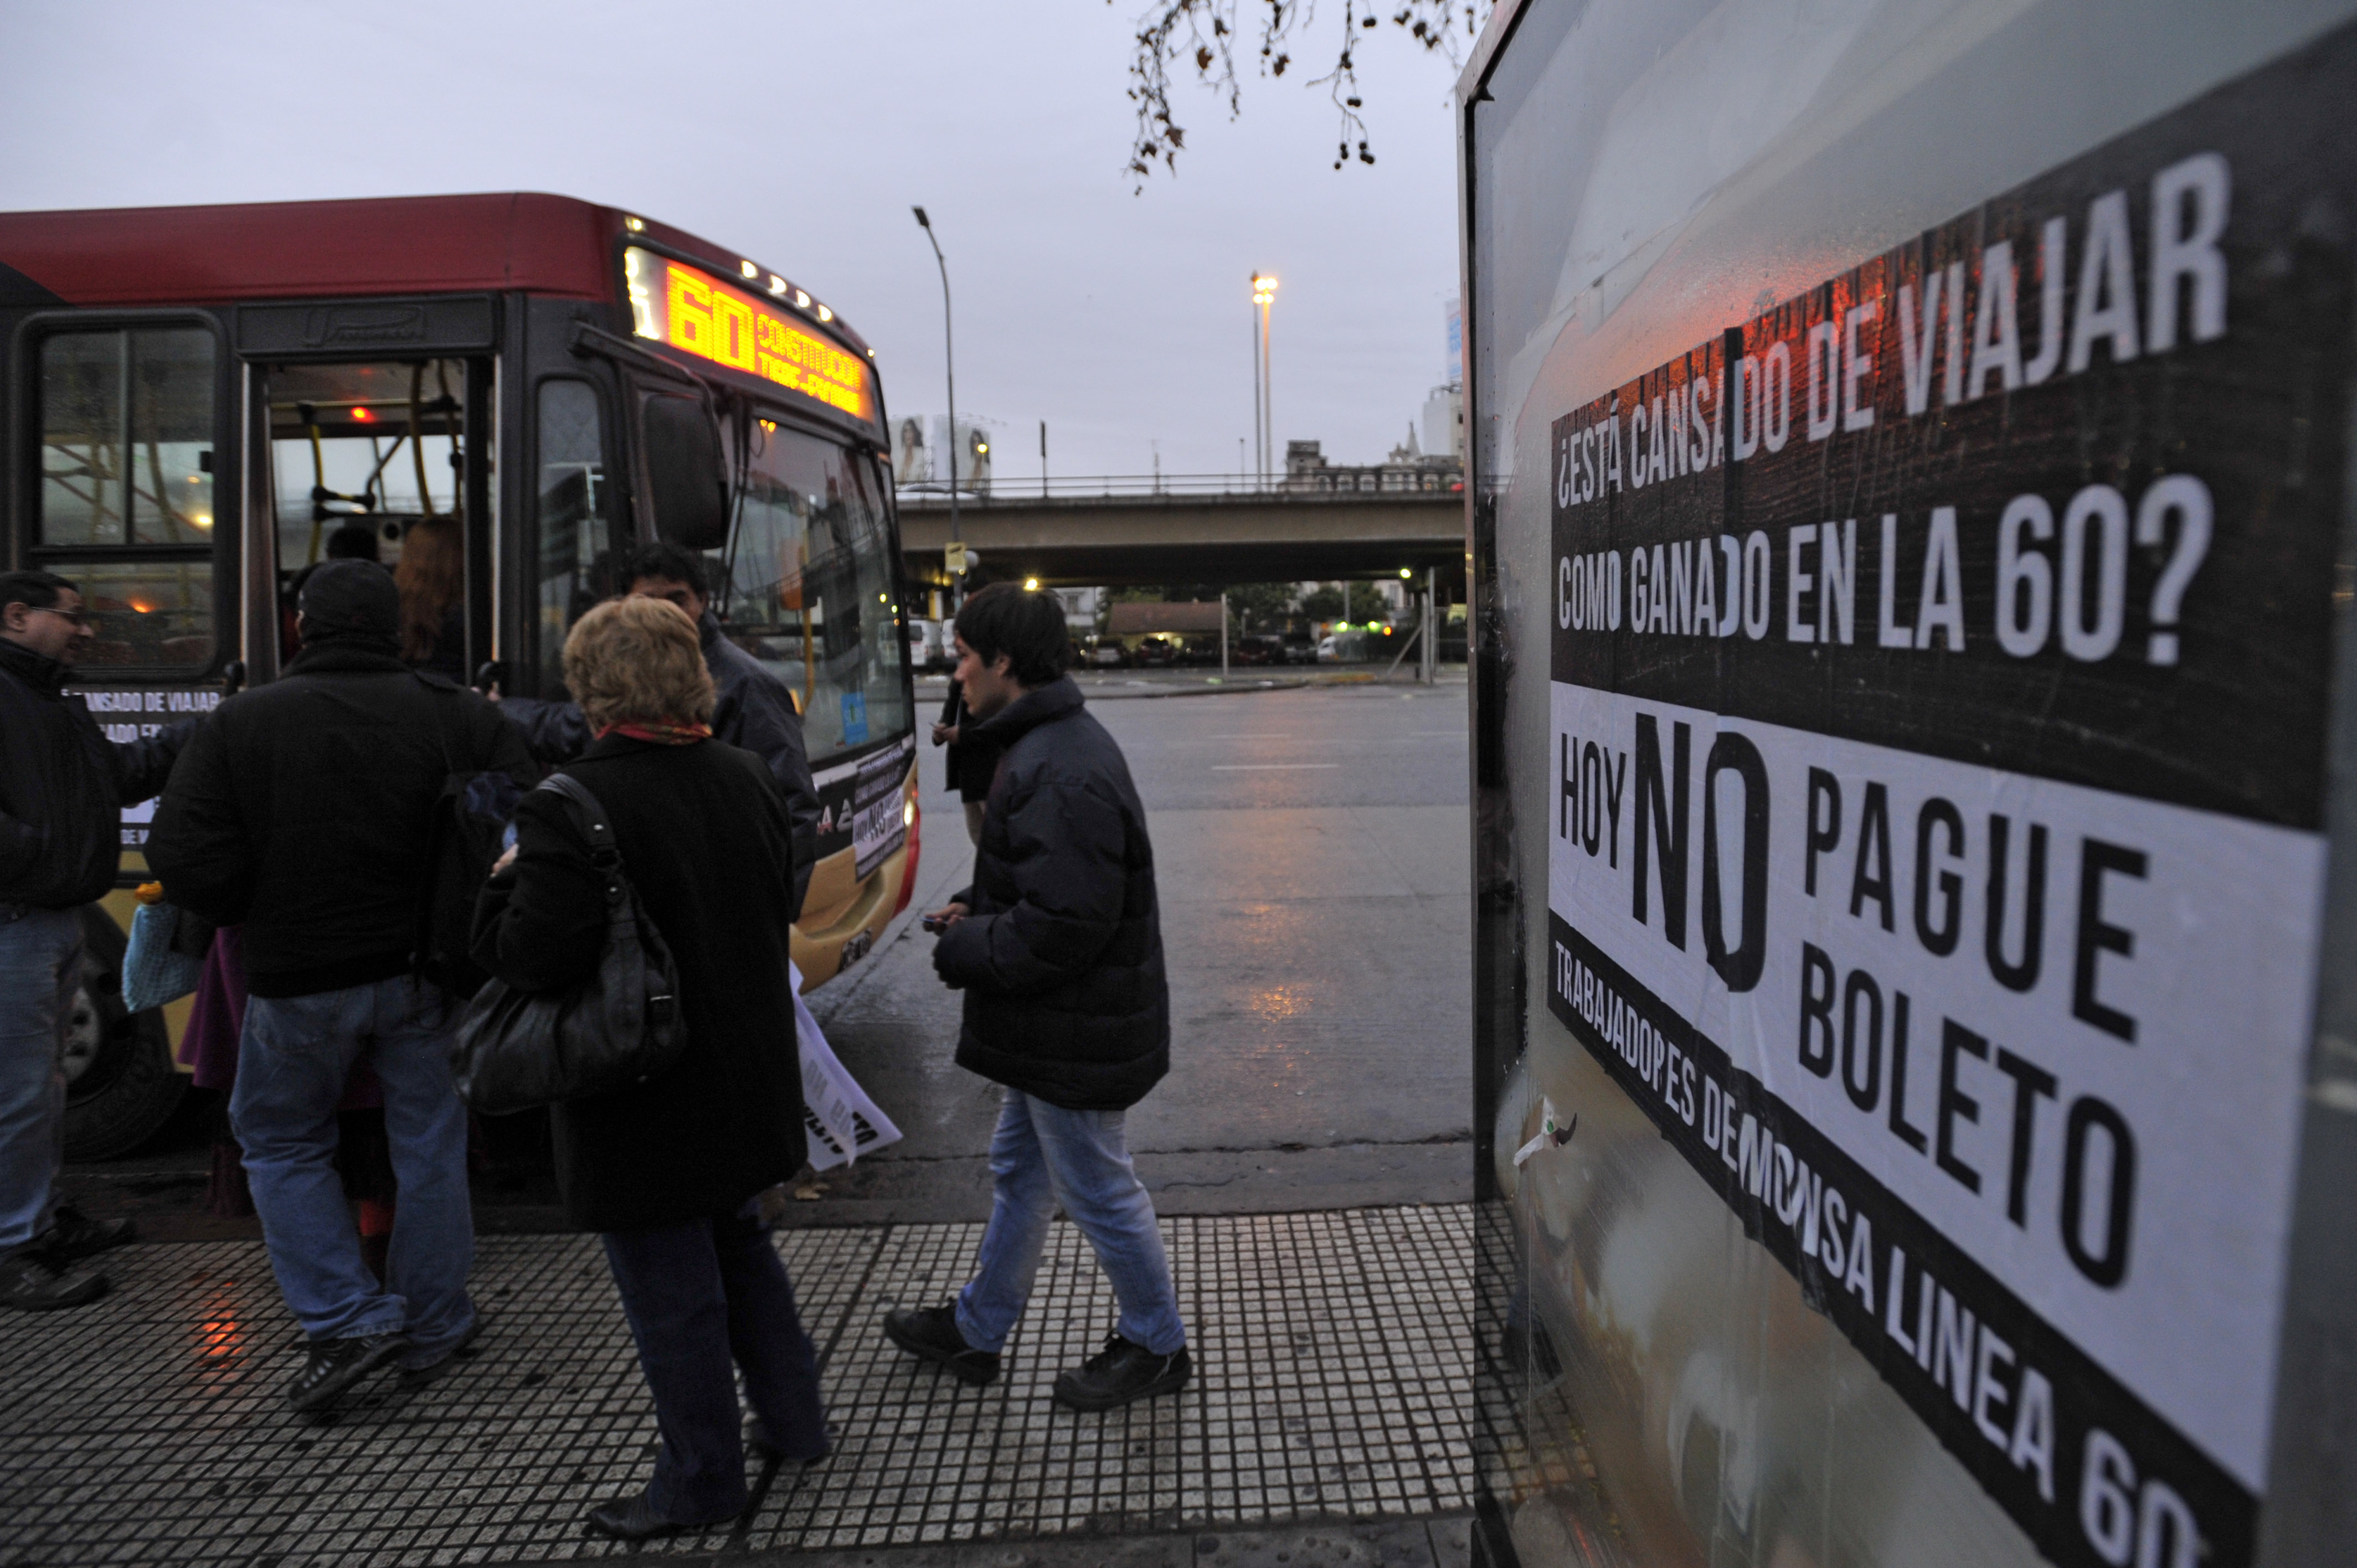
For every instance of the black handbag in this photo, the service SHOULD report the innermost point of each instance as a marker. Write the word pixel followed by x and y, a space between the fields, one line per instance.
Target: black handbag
pixel 517 1049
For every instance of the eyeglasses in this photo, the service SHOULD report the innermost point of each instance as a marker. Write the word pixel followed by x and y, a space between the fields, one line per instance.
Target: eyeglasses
pixel 80 618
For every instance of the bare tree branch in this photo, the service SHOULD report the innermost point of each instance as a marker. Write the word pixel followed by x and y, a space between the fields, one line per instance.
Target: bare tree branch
pixel 1204 35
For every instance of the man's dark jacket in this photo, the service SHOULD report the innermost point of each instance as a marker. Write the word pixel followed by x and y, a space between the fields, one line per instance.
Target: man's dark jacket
pixel 703 834
pixel 305 809
pixel 751 710
pixel 63 785
pixel 1062 957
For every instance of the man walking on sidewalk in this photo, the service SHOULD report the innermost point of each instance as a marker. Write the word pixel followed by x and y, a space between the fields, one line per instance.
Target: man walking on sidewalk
pixel 1057 946
pixel 62 789
pixel 306 810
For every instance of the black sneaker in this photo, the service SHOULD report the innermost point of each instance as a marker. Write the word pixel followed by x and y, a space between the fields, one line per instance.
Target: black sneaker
pixel 32 1281
pixel 931 1333
pixel 1121 1372
pixel 417 1374
pixel 335 1365
pixel 73 1235
pixel 635 1518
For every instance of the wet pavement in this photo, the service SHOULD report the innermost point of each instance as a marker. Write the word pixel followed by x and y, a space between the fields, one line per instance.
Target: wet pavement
pixel 1311 853
pixel 1309 1152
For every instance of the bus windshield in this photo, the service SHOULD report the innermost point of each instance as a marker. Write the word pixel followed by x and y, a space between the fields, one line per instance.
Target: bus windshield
pixel 808 586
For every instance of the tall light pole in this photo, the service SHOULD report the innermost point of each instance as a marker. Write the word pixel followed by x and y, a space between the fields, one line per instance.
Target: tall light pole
pixel 949 362
pixel 1260 459
pixel 1264 404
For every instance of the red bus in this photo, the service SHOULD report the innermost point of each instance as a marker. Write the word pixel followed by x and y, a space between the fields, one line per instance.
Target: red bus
pixel 199 398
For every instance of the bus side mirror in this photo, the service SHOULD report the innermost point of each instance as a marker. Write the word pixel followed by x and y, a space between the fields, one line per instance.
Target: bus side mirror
pixel 685 477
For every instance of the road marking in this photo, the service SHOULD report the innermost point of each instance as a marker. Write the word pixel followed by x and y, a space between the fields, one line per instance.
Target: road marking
pixel 1266 767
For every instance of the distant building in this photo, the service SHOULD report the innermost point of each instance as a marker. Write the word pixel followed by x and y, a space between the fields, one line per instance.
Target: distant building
pixel 1082 607
pixel 1306 470
pixel 1444 424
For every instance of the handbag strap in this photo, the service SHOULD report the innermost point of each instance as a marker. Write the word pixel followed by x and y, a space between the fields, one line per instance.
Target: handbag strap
pixel 590 815
pixel 447 722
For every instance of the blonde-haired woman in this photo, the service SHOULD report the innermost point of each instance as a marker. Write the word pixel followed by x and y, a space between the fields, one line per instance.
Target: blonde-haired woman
pixel 667 1171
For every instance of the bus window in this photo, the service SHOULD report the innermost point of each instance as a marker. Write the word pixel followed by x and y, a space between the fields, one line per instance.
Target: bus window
pixel 812 588
pixel 376 445
pixel 576 544
pixel 126 497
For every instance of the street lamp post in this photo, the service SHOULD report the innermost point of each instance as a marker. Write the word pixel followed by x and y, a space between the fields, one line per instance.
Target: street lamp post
pixel 949 362
pixel 1264 413
pixel 1260 459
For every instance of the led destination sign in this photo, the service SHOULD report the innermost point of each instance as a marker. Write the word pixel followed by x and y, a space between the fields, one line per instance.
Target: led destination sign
pixel 689 310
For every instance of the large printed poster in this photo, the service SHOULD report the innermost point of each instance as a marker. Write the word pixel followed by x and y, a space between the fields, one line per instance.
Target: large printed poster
pixel 1939 677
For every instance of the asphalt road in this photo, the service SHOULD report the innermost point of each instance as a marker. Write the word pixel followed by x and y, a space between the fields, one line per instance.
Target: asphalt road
pixel 1311 854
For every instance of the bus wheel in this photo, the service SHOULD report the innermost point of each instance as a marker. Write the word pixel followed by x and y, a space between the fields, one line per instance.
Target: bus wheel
pixel 121 1085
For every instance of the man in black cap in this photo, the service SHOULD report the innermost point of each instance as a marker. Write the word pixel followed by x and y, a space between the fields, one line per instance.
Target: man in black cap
pixel 305 809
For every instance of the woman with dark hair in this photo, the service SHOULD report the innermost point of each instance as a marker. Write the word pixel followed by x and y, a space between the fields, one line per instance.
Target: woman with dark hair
pixel 668 1170
pixel 432 578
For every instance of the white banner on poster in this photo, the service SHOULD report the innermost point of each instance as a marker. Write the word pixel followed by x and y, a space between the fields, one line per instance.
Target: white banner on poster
pixel 2064 1026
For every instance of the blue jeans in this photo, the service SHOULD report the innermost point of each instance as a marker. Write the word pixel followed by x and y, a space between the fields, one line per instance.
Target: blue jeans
pixel 1043 1155
pixel 292 1062
pixel 41 964
pixel 700 1296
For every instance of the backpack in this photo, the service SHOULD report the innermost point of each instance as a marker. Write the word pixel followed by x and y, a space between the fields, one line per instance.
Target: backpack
pixel 467 830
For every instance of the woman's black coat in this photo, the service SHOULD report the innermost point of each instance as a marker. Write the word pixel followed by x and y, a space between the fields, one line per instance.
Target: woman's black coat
pixel 704 838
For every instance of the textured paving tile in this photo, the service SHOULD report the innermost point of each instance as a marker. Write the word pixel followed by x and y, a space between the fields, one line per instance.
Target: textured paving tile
pixel 1333 1382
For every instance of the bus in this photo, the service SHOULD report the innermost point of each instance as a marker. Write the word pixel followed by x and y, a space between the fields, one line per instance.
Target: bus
pixel 201 401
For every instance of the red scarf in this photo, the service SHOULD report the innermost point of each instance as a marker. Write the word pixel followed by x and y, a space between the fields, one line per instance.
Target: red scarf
pixel 660 734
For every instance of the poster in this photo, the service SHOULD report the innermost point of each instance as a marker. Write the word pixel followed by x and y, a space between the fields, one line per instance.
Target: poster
pixel 860 805
pixel 128 715
pixel 1939 671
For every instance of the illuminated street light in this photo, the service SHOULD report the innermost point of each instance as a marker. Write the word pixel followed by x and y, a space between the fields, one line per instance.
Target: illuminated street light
pixel 1030 585
pixel 1264 424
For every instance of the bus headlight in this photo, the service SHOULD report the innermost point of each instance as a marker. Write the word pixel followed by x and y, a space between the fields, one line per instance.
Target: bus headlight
pixel 909 812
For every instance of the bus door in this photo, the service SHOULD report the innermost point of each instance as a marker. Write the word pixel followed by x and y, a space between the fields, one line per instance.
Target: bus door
pixel 383 454
pixel 129 440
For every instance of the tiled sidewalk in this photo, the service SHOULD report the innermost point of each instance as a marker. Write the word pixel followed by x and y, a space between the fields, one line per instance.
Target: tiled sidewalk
pixel 1333 1381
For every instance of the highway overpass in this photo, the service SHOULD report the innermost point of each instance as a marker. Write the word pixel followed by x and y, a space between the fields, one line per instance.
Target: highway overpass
pixel 1190 532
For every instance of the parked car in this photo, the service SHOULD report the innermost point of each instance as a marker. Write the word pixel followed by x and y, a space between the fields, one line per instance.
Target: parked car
pixel 1107 654
pixel 1300 648
pixel 926 645
pixel 1261 650
pixel 1159 650
pixel 1343 648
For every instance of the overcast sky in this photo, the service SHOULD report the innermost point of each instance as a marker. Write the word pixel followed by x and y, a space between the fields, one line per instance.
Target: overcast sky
pixel 800 134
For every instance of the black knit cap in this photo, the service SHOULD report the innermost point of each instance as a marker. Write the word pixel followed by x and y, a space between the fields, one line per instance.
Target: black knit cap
pixel 344 598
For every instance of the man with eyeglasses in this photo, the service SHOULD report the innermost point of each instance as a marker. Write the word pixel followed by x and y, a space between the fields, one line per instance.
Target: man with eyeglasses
pixel 63 785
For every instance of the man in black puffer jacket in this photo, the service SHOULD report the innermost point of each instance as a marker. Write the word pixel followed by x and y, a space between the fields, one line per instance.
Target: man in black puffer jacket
pixel 1057 946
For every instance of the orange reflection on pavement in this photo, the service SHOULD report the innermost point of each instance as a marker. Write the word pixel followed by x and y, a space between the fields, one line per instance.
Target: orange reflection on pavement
pixel 1279 1002
pixel 219 1337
